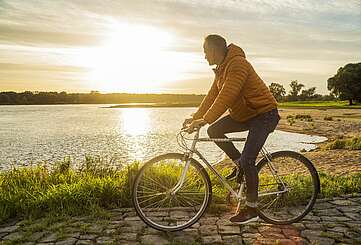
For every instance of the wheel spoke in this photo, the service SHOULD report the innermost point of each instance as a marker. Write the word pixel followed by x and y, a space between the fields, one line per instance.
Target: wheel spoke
pixel 151 198
pixel 155 203
pixel 155 182
pixel 155 194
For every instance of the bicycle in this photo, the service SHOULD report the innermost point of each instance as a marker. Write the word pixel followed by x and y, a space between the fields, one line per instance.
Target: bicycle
pixel 172 191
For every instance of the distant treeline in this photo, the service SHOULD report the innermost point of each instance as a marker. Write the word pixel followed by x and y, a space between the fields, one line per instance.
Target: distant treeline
pixel 295 94
pixel 94 97
pixel 344 85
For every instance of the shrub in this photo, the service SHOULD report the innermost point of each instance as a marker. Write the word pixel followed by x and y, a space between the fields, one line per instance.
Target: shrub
pixel 305 117
pixel 290 119
pixel 350 144
pixel 326 118
pixel 354 143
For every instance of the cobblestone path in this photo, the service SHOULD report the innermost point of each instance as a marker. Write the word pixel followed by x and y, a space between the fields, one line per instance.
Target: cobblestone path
pixel 332 221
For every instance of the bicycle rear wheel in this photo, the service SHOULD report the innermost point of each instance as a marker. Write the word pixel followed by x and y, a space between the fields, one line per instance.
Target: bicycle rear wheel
pixel 289 192
pixel 156 203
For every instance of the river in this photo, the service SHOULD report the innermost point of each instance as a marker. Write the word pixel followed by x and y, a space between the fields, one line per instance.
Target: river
pixel 47 133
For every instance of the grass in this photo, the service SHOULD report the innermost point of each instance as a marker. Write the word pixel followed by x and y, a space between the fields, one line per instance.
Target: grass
pixel 340 185
pixel 350 144
pixel 34 192
pixel 320 104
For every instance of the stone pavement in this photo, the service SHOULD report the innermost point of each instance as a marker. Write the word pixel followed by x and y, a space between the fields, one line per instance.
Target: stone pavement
pixel 332 221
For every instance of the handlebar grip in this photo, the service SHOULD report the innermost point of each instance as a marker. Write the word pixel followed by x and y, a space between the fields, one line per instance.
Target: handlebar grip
pixel 187 129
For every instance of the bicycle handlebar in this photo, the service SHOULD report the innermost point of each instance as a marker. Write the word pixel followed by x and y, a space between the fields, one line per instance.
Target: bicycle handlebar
pixel 190 130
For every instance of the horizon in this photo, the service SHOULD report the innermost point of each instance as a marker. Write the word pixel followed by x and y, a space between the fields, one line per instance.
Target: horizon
pixel 66 46
pixel 89 92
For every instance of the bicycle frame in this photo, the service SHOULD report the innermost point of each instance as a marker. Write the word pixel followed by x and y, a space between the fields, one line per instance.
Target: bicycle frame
pixel 237 195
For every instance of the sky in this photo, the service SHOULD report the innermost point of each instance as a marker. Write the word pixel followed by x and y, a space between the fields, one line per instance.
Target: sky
pixel 156 46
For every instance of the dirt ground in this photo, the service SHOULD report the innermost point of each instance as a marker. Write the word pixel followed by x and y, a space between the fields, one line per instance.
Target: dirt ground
pixel 345 123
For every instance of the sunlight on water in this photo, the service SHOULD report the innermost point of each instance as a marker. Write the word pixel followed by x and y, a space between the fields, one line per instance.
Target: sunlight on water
pixel 135 124
pixel 134 121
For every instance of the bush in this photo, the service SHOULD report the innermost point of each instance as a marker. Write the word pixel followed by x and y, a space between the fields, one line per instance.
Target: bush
pixel 354 143
pixel 305 117
pixel 350 144
pixel 290 119
pixel 326 118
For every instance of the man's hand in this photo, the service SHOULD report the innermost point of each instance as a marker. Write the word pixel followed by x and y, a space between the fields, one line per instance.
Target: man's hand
pixel 187 122
pixel 196 124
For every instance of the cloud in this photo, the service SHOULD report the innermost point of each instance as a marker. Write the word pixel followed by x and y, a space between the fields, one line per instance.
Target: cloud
pixel 297 38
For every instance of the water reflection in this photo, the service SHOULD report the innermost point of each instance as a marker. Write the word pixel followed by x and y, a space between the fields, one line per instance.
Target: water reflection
pixel 134 121
pixel 135 125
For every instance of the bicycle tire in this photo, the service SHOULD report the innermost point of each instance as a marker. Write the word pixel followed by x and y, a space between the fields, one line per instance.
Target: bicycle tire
pixel 289 156
pixel 154 223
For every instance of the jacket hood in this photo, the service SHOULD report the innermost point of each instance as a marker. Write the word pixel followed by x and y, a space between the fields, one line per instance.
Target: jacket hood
pixel 232 51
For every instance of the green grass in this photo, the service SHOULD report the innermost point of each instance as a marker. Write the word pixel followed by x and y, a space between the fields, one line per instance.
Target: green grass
pixel 34 192
pixel 332 185
pixel 350 144
pixel 319 104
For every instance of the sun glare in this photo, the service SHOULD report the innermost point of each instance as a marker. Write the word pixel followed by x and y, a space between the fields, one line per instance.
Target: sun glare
pixel 133 58
pixel 134 121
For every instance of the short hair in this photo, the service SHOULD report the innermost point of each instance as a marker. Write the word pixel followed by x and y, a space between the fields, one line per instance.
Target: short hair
pixel 216 41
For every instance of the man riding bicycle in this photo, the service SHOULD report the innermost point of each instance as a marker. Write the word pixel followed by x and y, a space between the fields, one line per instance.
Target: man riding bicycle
pixel 238 89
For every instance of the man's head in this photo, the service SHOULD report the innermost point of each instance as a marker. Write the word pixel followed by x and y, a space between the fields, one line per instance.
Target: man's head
pixel 215 49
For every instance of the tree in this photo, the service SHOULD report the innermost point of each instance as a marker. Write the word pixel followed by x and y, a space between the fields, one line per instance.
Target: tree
pixel 308 93
pixel 4 98
pixel 277 90
pixel 346 84
pixel 295 89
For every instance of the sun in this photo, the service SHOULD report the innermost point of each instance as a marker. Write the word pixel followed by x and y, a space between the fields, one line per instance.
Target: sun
pixel 133 58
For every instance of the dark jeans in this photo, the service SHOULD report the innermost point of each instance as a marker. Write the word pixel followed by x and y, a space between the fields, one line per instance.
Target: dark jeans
pixel 259 128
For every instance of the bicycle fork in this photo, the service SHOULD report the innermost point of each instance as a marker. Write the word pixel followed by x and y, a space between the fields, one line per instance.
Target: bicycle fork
pixel 180 182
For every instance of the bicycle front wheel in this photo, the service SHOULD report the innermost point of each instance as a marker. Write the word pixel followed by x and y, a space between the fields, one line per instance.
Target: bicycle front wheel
pixel 288 187
pixel 160 204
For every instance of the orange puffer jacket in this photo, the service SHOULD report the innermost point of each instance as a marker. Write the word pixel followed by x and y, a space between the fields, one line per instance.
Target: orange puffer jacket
pixel 236 87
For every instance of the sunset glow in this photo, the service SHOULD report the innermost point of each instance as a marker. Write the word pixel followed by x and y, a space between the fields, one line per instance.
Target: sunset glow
pixel 156 47
pixel 133 58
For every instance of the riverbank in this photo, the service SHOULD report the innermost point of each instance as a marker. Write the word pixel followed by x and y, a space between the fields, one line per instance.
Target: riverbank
pixel 331 123
pixel 335 124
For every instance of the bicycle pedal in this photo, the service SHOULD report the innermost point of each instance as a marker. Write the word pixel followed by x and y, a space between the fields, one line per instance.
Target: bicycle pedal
pixel 240 177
